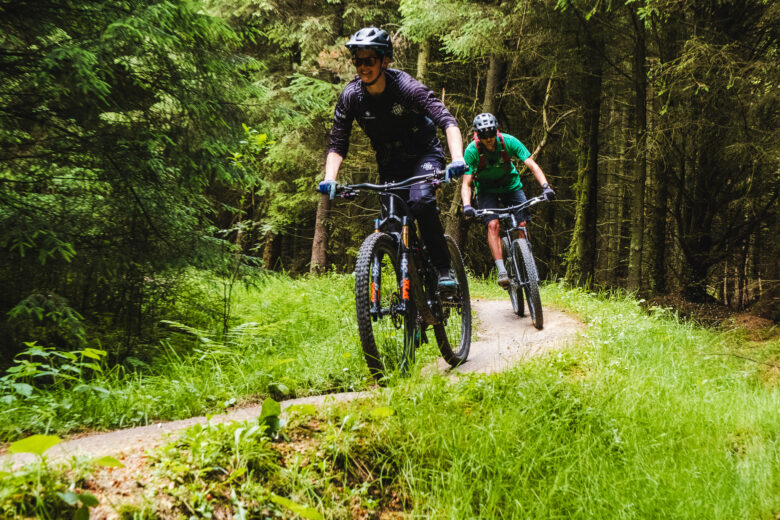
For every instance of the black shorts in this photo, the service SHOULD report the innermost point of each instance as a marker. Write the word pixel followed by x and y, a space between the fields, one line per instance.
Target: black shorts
pixel 419 197
pixel 510 198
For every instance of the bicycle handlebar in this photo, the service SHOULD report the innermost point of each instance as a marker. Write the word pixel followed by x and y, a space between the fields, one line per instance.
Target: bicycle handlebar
pixel 509 209
pixel 349 190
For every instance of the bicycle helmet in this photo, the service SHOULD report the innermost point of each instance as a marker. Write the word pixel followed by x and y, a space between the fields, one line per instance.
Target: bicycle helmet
pixel 486 123
pixel 371 38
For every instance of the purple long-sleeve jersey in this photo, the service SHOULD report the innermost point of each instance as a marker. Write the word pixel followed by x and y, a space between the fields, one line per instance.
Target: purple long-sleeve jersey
pixel 401 122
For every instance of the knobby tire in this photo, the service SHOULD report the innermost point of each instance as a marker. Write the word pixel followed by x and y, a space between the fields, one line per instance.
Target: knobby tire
pixel 389 341
pixel 530 279
pixel 514 290
pixel 453 333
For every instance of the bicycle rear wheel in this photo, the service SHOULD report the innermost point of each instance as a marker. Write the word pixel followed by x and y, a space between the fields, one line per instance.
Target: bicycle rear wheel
pixel 453 333
pixel 515 293
pixel 388 332
pixel 529 280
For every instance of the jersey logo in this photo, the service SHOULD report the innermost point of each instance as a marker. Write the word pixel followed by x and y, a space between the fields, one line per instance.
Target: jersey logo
pixel 427 166
pixel 367 115
pixel 397 109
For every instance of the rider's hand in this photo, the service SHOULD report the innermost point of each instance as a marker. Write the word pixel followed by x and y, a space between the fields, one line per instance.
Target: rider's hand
pixel 454 170
pixel 468 211
pixel 327 187
pixel 547 192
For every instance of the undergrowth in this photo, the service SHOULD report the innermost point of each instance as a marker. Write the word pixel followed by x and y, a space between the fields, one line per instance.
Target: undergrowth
pixel 290 337
pixel 643 416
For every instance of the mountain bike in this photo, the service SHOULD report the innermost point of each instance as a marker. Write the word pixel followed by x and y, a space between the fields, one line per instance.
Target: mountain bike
pixel 519 260
pixel 396 292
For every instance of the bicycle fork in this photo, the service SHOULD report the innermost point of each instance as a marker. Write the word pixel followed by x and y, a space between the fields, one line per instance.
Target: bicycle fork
pixel 400 303
pixel 419 334
pixel 404 254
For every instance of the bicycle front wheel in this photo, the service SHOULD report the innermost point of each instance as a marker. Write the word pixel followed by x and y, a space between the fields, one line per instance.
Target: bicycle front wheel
pixel 388 328
pixel 529 279
pixel 515 292
pixel 453 332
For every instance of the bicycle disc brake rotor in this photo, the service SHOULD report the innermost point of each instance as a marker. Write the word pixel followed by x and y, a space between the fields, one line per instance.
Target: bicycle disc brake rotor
pixel 396 317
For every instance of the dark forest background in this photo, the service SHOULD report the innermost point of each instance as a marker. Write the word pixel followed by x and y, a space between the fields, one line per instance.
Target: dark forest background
pixel 155 154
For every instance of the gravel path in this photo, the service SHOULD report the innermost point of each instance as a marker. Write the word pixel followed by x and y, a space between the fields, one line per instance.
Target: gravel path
pixel 502 340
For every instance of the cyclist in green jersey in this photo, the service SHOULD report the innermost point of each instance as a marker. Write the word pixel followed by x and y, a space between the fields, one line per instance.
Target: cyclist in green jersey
pixel 496 179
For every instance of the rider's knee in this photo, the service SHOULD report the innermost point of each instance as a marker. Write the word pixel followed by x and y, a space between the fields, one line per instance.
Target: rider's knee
pixel 493 226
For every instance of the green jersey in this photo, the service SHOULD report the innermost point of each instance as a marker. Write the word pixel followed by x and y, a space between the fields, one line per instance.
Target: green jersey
pixel 494 165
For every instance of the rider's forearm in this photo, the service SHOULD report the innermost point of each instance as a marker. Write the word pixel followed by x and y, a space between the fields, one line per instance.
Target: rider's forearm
pixel 465 192
pixel 537 171
pixel 332 165
pixel 455 143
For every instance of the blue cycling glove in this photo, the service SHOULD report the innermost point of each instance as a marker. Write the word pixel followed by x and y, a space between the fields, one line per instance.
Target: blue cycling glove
pixel 547 192
pixel 327 187
pixel 468 211
pixel 454 170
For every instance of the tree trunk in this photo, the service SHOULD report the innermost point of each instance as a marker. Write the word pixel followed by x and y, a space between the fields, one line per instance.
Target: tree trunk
pixel 656 240
pixel 493 85
pixel 582 251
pixel 454 224
pixel 612 199
pixel 742 279
pixel 656 236
pixel 319 246
pixel 423 58
pixel 634 281
pixel 271 250
pixel 664 173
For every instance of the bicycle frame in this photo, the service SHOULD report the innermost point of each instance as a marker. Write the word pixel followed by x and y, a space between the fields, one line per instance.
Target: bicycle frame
pixel 508 213
pixel 388 223
pixel 396 255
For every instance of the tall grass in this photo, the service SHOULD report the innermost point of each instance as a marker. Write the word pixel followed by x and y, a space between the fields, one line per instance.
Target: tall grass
pixel 639 420
pixel 292 337
pixel 645 416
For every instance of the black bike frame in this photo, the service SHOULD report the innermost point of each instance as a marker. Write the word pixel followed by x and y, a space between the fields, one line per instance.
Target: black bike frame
pixel 385 224
pixel 508 214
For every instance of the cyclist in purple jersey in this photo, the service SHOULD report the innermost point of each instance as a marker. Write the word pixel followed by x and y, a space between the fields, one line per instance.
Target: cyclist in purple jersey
pixel 399 115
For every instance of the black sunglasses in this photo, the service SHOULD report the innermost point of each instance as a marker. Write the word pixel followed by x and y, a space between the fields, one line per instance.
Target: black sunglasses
pixel 370 61
pixel 487 134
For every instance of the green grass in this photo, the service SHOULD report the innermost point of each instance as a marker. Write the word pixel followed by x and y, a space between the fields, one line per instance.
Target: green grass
pixel 292 338
pixel 644 416
pixel 46 491
pixel 639 420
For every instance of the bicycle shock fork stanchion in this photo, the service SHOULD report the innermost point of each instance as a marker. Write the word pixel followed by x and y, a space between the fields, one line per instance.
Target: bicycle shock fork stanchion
pixel 404 262
pixel 376 281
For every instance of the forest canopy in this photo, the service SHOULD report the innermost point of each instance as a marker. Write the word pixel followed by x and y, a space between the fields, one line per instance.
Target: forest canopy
pixel 145 142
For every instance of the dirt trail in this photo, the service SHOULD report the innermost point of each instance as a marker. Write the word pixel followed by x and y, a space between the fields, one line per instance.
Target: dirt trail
pixel 504 339
pixel 501 340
